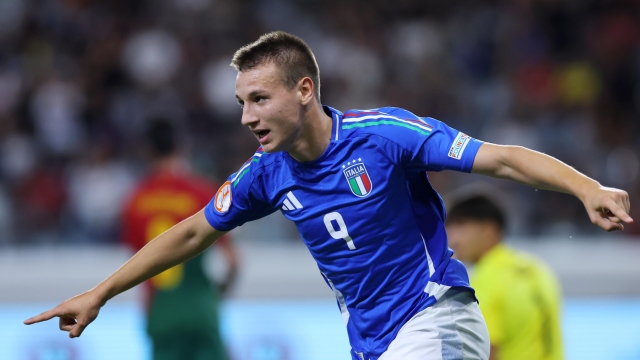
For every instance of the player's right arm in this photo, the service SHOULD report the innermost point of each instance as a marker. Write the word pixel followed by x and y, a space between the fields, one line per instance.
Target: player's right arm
pixel 606 207
pixel 434 146
pixel 178 244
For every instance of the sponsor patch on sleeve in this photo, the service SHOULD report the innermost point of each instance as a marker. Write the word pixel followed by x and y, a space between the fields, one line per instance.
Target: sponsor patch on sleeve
pixel 458 146
pixel 223 198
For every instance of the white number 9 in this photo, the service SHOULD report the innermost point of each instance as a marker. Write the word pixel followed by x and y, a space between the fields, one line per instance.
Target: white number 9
pixel 341 232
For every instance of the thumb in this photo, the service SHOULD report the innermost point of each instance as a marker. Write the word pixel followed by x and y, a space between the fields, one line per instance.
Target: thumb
pixel 79 327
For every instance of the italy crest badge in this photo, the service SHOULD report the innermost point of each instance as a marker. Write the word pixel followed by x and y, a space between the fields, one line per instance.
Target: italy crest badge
pixel 358 178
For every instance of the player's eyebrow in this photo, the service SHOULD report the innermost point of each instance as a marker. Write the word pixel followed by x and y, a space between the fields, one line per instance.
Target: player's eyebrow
pixel 252 94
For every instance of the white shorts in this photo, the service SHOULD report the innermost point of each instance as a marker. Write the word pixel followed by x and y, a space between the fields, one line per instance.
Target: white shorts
pixel 452 329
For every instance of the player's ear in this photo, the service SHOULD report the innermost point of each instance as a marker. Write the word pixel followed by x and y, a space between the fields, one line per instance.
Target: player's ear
pixel 305 90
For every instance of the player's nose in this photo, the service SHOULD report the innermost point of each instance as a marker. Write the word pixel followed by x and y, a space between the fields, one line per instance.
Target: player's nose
pixel 248 117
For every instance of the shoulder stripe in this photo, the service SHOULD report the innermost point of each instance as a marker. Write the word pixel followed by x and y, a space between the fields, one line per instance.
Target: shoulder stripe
pixel 361 113
pixel 388 120
pixel 367 113
pixel 385 122
pixel 258 154
pixel 240 174
pixel 245 167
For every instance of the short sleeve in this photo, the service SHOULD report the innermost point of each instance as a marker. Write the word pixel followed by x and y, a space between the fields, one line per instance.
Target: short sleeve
pixel 239 200
pixel 431 145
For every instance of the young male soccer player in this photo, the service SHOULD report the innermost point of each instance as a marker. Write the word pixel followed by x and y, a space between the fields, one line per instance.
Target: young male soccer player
pixel 355 185
pixel 519 295
pixel 182 316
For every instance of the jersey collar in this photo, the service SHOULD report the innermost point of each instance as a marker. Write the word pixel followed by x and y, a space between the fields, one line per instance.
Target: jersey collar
pixel 336 116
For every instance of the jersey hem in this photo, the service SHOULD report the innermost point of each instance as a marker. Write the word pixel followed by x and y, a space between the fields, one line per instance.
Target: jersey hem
pixel 214 224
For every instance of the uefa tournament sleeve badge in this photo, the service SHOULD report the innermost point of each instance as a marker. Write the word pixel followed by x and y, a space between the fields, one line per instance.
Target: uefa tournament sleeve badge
pixel 458 146
pixel 223 198
pixel 358 178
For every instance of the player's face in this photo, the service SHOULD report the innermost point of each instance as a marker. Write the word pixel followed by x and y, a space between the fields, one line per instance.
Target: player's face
pixel 469 239
pixel 269 109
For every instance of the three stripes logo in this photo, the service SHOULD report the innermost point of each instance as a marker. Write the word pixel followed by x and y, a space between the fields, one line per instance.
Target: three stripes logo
pixel 291 203
pixel 358 178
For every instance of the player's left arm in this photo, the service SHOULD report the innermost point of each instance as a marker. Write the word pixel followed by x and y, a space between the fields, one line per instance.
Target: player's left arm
pixel 607 207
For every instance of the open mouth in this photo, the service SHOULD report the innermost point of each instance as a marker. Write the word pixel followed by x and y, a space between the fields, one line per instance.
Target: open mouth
pixel 262 133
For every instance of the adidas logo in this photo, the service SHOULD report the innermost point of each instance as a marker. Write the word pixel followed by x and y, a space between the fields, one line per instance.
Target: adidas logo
pixel 291 203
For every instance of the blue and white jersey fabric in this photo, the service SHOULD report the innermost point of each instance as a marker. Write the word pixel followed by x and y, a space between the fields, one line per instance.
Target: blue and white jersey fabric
pixel 367 213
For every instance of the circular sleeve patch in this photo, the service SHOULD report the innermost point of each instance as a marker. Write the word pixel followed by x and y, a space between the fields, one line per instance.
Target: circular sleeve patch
pixel 223 198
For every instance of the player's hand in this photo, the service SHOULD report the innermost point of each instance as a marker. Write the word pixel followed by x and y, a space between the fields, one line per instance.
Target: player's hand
pixel 608 208
pixel 75 314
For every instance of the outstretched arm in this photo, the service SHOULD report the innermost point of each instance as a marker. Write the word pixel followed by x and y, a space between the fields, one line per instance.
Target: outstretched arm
pixel 607 207
pixel 178 244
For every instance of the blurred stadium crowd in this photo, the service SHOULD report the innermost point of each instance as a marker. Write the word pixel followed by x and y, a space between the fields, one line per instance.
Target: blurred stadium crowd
pixel 80 78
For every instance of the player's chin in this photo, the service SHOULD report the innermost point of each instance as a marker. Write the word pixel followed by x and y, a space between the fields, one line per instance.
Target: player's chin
pixel 270 147
pixel 274 144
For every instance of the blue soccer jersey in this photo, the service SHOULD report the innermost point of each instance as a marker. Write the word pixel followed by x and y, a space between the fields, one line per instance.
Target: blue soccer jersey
pixel 367 213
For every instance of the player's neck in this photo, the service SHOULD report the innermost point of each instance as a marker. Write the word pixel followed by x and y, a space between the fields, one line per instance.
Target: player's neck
pixel 314 137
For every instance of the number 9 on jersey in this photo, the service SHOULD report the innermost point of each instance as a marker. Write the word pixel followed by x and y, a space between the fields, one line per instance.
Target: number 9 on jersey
pixel 341 232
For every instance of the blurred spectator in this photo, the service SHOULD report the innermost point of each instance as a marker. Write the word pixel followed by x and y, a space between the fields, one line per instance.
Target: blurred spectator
pixel 152 57
pixel 182 302
pixel 519 295
pixel 18 157
pixel 97 186
pixel 10 87
pixel 218 81
pixel 56 108
pixel 11 15
pixel 40 197
pixel 6 219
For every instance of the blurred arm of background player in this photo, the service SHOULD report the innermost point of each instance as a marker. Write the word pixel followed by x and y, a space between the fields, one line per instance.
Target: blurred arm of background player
pixel 607 207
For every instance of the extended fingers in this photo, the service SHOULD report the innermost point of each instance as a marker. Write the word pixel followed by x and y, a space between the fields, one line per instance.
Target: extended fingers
pixel 605 219
pixel 614 227
pixel 47 315
pixel 606 224
pixel 618 211
pixel 628 204
pixel 75 314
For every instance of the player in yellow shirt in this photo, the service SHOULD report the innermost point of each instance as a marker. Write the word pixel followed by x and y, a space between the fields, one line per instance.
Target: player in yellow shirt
pixel 519 295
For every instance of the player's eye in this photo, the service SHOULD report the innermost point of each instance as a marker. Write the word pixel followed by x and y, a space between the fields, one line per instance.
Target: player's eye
pixel 259 99
pixel 241 104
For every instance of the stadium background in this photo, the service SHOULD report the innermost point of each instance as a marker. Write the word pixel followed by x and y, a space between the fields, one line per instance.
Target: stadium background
pixel 79 79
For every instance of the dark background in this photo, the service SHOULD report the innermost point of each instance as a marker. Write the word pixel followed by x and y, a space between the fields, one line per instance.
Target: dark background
pixel 80 78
